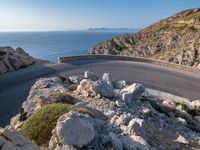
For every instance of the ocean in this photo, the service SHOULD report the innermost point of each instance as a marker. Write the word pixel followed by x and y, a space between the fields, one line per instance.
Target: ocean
pixel 50 45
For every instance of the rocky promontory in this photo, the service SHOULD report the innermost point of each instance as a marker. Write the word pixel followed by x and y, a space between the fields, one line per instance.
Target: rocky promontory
pixel 175 39
pixel 90 112
pixel 15 59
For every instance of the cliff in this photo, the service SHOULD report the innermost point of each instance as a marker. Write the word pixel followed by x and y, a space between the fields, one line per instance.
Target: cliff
pixel 175 39
pixel 15 59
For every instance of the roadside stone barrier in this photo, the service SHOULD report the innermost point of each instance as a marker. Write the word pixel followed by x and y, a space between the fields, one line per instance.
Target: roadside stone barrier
pixel 128 58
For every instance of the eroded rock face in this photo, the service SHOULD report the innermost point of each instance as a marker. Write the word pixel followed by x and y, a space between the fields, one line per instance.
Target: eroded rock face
pixel 175 39
pixel 74 129
pixel 10 139
pixel 14 59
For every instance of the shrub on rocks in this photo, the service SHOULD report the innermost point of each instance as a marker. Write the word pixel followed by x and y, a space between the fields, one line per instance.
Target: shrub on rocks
pixel 72 87
pixel 61 97
pixel 39 125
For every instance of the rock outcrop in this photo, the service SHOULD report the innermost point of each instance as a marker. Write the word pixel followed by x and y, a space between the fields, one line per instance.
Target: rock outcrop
pixel 14 59
pixel 129 119
pixel 10 139
pixel 175 39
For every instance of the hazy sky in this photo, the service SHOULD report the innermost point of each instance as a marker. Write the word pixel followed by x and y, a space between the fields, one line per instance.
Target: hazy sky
pixel 37 15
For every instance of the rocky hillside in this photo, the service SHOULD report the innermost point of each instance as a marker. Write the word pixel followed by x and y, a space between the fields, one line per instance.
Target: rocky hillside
pixel 14 59
pixel 88 112
pixel 175 39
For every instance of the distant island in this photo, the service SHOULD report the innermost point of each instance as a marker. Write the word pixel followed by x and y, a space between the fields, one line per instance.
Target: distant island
pixel 114 29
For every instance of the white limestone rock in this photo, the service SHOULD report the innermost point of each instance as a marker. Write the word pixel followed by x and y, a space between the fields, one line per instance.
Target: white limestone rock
pixel 131 93
pixel 90 75
pixel 75 129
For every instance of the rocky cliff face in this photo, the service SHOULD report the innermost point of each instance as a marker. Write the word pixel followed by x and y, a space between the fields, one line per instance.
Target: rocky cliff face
pixel 175 39
pixel 14 59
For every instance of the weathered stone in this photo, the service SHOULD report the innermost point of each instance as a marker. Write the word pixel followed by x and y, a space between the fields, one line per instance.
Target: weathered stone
pixel 10 139
pixel 90 75
pixel 119 84
pixel 76 79
pixel 108 79
pixel 136 126
pixel 131 93
pixel 117 144
pixel 75 129
pixel 197 118
pixel 134 143
pixel 182 140
pixel 99 87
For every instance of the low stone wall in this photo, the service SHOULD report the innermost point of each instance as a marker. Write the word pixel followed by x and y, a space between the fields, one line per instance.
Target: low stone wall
pixel 128 58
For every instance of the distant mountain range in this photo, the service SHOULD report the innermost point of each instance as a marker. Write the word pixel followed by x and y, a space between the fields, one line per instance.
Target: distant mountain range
pixel 175 39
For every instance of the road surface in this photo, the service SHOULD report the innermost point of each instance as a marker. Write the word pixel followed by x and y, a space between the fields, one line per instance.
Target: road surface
pixel 15 86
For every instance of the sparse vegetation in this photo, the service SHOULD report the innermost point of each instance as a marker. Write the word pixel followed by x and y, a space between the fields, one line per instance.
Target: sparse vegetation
pixel 153 103
pixel 61 97
pixel 72 87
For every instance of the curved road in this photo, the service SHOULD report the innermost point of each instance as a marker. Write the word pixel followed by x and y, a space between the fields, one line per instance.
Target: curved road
pixel 15 86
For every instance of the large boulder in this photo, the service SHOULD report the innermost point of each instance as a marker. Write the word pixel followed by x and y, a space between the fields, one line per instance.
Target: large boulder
pixel 10 139
pixel 89 87
pixel 131 93
pixel 76 79
pixel 74 129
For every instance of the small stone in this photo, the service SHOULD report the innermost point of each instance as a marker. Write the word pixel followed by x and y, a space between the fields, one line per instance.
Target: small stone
pixel 182 140
pixel 76 79
pixel 90 75
pixel 119 84
pixel 119 103
pixel 117 144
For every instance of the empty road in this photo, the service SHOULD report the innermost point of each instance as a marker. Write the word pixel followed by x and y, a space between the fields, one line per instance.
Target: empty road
pixel 15 86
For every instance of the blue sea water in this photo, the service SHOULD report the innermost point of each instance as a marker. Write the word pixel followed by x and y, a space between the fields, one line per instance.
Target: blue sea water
pixel 50 45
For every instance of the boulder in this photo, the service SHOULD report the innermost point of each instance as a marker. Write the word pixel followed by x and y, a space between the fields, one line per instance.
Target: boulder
pixel 107 78
pixel 88 87
pixel 119 84
pixel 76 79
pixel 75 129
pixel 117 144
pixel 90 75
pixel 131 93
pixel 10 139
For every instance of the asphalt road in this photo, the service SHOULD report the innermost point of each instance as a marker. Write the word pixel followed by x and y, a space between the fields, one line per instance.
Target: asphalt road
pixel 15 86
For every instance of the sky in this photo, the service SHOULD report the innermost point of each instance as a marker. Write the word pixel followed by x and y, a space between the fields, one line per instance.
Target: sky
pixel 59 15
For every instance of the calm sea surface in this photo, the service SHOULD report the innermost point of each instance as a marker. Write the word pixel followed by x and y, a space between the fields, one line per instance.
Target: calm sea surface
pixel 50 45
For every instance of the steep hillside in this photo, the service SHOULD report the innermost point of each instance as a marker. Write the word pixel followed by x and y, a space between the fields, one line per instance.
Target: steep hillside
pixel 175 39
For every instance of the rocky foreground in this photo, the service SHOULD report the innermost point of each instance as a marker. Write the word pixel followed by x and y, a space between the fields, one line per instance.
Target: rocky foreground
pixel 175 39
pixel 87 112
pixel 15 59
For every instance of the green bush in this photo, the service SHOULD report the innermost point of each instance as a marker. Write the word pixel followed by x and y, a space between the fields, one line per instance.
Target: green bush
pixel 61 97
pixel 39 125
pixel 153 103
